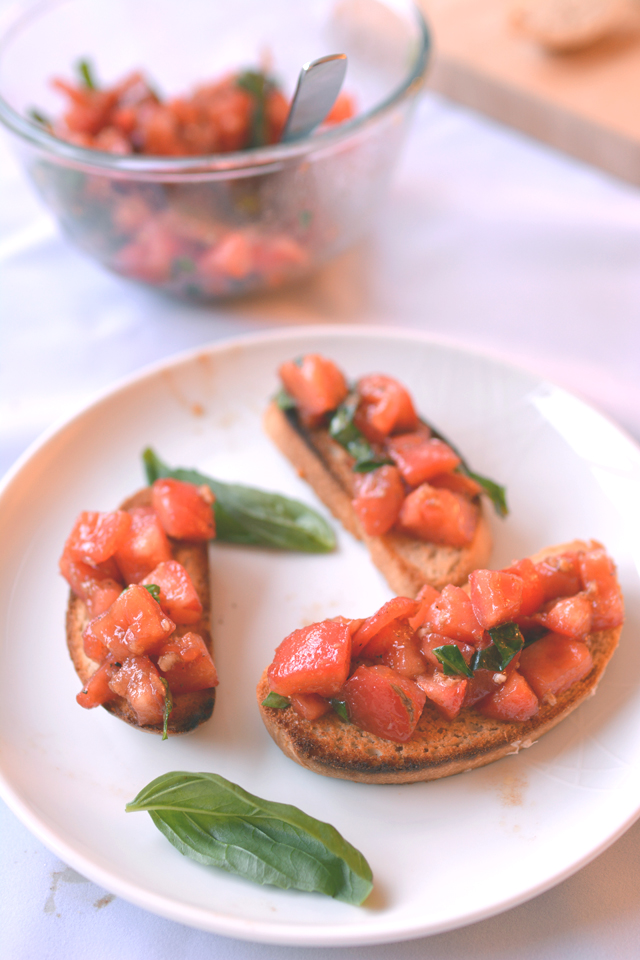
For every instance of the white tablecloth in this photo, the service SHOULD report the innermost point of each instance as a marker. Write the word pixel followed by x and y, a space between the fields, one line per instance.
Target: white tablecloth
pixel 487 240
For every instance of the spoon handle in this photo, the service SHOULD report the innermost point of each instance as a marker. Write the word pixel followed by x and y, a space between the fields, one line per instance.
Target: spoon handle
pixel 318 86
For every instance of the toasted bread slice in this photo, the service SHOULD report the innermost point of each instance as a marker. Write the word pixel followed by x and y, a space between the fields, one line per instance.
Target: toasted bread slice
pixel 406 564
pixel 189 709
pixel 439 747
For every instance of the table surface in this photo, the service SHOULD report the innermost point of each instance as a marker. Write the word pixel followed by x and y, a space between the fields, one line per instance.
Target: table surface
pixel 487 240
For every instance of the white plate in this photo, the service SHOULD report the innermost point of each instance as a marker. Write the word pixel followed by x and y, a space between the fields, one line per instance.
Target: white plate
pixel 443 854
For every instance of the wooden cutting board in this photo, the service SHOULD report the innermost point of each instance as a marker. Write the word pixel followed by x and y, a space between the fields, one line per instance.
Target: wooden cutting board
pixel 586 103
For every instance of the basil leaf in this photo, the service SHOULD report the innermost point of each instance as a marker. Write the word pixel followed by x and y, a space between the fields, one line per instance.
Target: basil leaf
pixel 86 74
pixel 507 642
pixel 35 114
pixel 284 400
pixel 153 589
pixel 254 517
pixel 275 701
pixel 258 86
pixel 344 431
pixel 168 707
pixel 453 663
pixel 217 823
pixel 340 708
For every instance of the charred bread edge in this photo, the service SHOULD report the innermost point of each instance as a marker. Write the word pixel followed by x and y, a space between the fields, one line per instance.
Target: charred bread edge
pixel 405 563
pixel 439 748
pixel 189 709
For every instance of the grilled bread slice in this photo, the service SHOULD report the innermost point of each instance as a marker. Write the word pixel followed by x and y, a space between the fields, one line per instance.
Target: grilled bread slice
pixel 189 709
pixel 438 747
pixel 406 563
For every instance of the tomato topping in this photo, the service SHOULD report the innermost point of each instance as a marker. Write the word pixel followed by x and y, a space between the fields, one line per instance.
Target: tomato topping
pixel 397 631
pixel 458 483
pixel 513 700
pixel 343 109
pixel 560 576
pixel 315 383
pixel 96 536
pixel 452 615
pixel 404 655
pixel 438 516
pixel 495 596
pixel 385 407
pixel 425 597
pixel 184 510
pixel 430 641
pixel 379 497
pixel 399 607
pixel 93 646
pixel 309 705
pixel 133 625
pixel 446 692
pixel 598 576
pixel 554 663
pixel 383 702
pixel 139 683
pixel 97 586
pixel 178 596
pixel 186 664
pixel 570 616
pixel 314 659
pixel 420 458
pixel 97 690
pixel 145 546
pixel 532 586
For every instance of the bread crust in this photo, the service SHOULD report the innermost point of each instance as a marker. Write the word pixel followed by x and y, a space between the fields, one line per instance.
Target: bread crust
pixel 438 747
pixel 406 563
pixel 189 709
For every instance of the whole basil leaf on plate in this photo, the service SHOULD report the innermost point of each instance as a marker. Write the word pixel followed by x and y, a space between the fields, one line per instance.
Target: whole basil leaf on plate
pixel 253 517
pixel 219 824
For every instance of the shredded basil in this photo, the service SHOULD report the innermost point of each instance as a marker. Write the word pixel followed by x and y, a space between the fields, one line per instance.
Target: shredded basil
pixel 453 663
pixel 275 701
pixel 258 85
pixel 153 589
pixel 168 707
pixel 86 74
pixel 284 400
pixel 340 708
pixel 507 641
pixel 344 431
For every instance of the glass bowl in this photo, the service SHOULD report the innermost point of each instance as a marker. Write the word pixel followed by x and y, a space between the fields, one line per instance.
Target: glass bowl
pixel 218 225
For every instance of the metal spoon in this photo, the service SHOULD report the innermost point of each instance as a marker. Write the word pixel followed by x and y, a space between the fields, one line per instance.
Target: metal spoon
pixel 318 86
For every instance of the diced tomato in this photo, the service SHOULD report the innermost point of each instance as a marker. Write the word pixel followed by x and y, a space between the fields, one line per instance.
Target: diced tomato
pixel 145 546
pixel 481 684
pixel 425 597
pixel 458 483
pixel 420 458
pixel 446 692
pixel 139 683
pixel 314 659
pixel 438 516
pixel 513 700
pixel 149 256
pixel 560 576
pixel 532 586
pixel 383 702
pixel 452 615
pixel 554 663
pixel 404 656
pixel 398 608
pixel 379 497
pixel 178 596
pixel 133 625
pixel 186 664
pixel 570 616
pixel 598 576
pixel 309 705
pixel 315 383
pixel 97 586
pixel 184 510
pixel 97 690
pixel 343 109
pixel 232 256
pixel 96 536
pixel 93 646
pixel 397 631
pixel 385 407
pixel 495 596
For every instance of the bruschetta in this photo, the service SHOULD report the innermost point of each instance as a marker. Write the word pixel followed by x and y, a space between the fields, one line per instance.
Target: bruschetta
pixel 390 479
pixel 138 613
pixel 449 681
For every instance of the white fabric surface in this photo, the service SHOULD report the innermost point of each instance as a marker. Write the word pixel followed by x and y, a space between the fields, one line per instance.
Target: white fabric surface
pixel 487 240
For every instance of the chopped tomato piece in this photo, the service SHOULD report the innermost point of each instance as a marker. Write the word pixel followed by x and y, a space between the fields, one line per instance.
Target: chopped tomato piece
pixel 379 497
pixel 343 109
pixel 404 656
pixel 98 586
pixel 482 683
pixel 425 597
pixel 420 458
pixel 314 659
pixel 178 596
pixel 397 631
pixel 186 664
pixel 532 586
pixel 385 407
pixel 96 536
pixel 145 546
pixel 139 683
pixel 133 625
pixel 560 576
pixel 458 483
pixel 452 615
pixel 598 576
pixel 310 705
pixel 495 596
pixel 570 616
pixel 446 692
pixel 93 646
pixel 554 663
pixel 383 702
pixel 513 700
pixel 184 510
pixel 97 690
pixel 315 383
pixel 399 607
pixel 438 516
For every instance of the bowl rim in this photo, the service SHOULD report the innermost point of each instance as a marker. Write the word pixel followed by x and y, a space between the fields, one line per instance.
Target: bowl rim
pixel 224 164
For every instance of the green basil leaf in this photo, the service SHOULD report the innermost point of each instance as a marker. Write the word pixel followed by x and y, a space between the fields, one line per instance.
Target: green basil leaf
pixel 453 663
pixel 284 400
pixel 254 517
pixel 507 641
pixel 86 74
pixel 487 659
pixel 258 86
pixel 153 589
pixel 340 708
pixel 275 701
pixel 168 707
pixel 39 117
pixel 217 823
pixel 344 431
